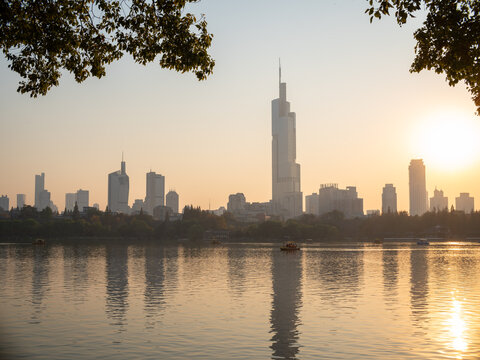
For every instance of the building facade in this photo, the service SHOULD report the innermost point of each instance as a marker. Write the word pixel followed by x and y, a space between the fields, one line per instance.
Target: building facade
pixel 39 187
pixel 438 202
pixel 172 201
pixel 82 197
pixel 21 199
pixel 286 193
pixel 118 188
pixel 417 187
pixel 70 199
pixel 155 192
pixel 389 199
pixel 311 204
pixel 465 203
pixel 331 198
pixel 4 203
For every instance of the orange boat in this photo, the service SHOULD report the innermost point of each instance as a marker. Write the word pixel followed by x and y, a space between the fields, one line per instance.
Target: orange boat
pixel 290 246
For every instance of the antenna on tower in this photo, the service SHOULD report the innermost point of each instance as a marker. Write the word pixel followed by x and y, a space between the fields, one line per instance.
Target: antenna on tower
pixel 279 71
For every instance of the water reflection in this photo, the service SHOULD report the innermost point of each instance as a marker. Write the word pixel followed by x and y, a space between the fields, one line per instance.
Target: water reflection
pixel 419 287
pixel 117 283
pixel 390 276
pixel 236 270
pixel 39 281
pixel 287 300
pixel 75 272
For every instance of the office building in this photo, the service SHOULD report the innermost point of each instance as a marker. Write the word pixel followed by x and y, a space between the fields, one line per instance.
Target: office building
pixel 464 203
pixel 137 206
pixel 39 187
pixel 118 188
pixel 155 193
pixel 331 198
pixel 236 202
pixel 172 201
pixel 438 202
pixel 82 199
pixel 4 203
pixel 417 187
pixel 286 194
pixel 311 204
pixel 389 199
pixel 21 198
pixel 70 199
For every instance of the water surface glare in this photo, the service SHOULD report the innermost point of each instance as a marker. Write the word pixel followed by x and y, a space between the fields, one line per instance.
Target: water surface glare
pixel 240 301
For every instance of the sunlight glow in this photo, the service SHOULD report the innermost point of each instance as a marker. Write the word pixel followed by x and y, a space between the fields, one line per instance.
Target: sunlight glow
pixel 457 327
pixel 448 140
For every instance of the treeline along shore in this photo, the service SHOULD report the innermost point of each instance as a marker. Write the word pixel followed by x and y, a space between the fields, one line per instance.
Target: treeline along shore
pixel 28 223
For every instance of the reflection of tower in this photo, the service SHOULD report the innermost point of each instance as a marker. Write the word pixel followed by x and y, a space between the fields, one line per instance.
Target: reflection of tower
pixel 236 270
pixel 287 298
pixel 75 271
pixel 117 282
pixel 390 275
pixel 39 280
pixel 154 280
pixel 419 285
pixel 286 194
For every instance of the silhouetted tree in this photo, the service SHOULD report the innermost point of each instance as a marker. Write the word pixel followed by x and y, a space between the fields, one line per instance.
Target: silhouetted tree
pixel 40 39
pixel 449 40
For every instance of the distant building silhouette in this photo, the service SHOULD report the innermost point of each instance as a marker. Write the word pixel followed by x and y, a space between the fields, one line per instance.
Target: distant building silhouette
pixel 236 202
pixel 70 199
pixel 172 201
pixel 161 212
pixel 82 199
pixel 286 193
pixel 330 198
pixel 438 202
pixel 373 212
pixel 389 199
pixel 417 187
pixel 21 198
pixel 155 193
pixel 44 200
pixel 464 203
pixel 137 206
pixel 39 187
pixel 4 203
pixel 118 188
pixel 96 206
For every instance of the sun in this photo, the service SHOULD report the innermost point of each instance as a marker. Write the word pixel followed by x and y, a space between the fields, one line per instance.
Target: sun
pixel 448 140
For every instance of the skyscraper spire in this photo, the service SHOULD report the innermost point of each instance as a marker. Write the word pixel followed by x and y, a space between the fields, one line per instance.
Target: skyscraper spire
pixel 279 71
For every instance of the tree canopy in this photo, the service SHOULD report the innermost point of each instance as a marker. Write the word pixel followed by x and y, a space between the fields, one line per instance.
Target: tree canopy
pixel 449 40
pixel 40 38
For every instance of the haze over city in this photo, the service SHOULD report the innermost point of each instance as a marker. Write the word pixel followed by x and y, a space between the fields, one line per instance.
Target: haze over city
pixel 361 116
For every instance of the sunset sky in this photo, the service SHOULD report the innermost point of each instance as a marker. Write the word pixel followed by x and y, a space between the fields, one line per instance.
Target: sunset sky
pixel 361 116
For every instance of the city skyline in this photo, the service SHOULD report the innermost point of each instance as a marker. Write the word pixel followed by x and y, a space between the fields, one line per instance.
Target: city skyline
pixel 362 118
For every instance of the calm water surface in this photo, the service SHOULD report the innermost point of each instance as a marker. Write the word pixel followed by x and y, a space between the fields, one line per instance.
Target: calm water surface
pixel 240 301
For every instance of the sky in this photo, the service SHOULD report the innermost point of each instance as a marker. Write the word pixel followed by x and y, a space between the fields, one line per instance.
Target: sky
pixel 361 116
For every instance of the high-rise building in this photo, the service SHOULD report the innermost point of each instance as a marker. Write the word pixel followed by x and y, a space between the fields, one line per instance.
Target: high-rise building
pixel 418 187
pixel 438 202
pixel 331 198
pixel 389 199
pixel 39 187
pixel 155 193
pixel 286 193
pixel 21 200
pixel 137 206
pixel 311 204
pixel 82 199
pixel 4 203
pixel 96 206
pixel 118 187
pixel 44 200
pixel 464 203
pixel 236 202
pixel 172 201
pixel 70 199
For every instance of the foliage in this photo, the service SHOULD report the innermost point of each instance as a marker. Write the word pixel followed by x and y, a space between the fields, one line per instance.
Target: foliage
pixel 449 40
pixel 40 38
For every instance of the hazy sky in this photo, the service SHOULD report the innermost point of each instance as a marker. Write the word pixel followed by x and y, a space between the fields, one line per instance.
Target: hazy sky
pixel 361 116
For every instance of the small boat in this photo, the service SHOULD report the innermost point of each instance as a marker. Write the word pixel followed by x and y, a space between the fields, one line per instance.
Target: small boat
pixel 423 242
pixel 38 242
pixel 290 246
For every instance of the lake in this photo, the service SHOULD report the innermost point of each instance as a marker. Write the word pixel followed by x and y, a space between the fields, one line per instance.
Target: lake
pixel 240 301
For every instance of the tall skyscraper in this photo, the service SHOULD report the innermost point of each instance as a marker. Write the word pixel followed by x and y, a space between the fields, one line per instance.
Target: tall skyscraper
pixel 21 200
pixel 155 194
pixel 464 203
pixel 4 203
pixel 39 187
pixel 418 187
pixel 70 199
pixel 118 187
pixel 389 199
pixel 438 202
pixel 286 193
pixel 172 201
pixel 82 199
